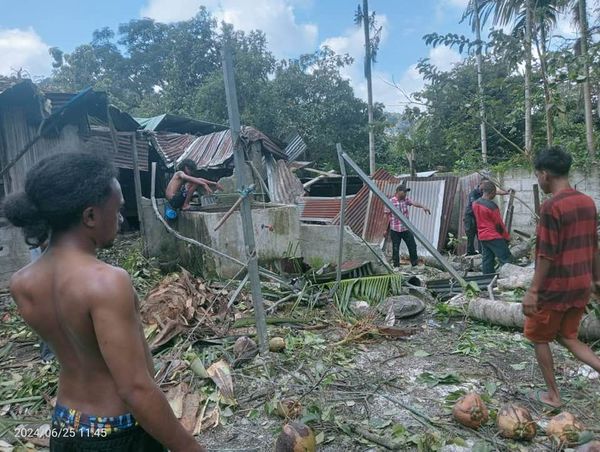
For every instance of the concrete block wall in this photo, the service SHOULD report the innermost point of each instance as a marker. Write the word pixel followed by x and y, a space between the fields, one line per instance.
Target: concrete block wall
pixel 319 243
pixel 14 253
pixel 522 180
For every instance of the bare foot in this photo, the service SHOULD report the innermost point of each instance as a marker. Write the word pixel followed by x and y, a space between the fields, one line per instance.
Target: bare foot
pixel 545 398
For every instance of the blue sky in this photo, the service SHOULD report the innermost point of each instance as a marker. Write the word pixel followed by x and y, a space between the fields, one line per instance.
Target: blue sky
pixel 29 27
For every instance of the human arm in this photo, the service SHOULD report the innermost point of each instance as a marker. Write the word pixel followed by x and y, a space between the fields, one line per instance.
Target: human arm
pixel 201 181
pixel 501 192
pixel 410 202
pixel 596 274
pixel 117 327
pixel 421 206
pixel 531 298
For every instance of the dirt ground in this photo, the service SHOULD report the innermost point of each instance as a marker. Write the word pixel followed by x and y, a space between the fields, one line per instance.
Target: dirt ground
pixel 357 394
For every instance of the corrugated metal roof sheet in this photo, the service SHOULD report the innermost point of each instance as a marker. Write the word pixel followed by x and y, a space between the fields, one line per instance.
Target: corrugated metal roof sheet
pixel 179 124
pixel 171 145
pixel 100 141
pixel 435 196
pixel 356 208
pixel 208 151
pixel 323 210
pixel 59 100
pixel 295 148
pixel 449 202
pixel 466 185
pixel 284 186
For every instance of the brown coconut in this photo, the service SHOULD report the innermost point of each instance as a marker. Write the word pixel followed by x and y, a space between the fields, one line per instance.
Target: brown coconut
pixel 592 446
pixel 245 348
pixel 289 408
pixel 276 344
pixel 515 422
pixel 470 411
pixel 296 437
pixel 564 428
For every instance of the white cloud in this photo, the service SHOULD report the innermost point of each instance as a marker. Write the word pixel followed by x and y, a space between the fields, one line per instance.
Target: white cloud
pixel 462 4
pixel 444 57
pixel 23 49
pixel 276 18
pixel 387 88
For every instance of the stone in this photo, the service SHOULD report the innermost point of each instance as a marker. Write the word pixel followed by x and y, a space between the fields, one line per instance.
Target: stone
pixel 403 306
pixel 360 308
pixel 514 277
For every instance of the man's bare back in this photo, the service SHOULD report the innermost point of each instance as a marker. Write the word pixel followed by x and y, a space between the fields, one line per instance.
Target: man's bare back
pixel 52 300
pixel 88 312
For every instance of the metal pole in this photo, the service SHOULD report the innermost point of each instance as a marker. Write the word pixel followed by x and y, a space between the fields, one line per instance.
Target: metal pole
pixel 245 208
pixel 418 235
pixel 138 191
pixel 338 277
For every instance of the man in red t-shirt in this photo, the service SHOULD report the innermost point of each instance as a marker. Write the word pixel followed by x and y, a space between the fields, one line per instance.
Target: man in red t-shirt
pixel 491 232
pixel 567 270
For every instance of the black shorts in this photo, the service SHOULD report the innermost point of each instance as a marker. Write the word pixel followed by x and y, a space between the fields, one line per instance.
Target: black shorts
pixel 178 200
pixel 133 439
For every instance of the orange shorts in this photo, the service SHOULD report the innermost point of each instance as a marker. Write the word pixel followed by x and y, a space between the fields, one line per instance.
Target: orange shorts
pixel 546 325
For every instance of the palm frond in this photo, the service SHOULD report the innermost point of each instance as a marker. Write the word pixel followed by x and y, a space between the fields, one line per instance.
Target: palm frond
pixel 373 289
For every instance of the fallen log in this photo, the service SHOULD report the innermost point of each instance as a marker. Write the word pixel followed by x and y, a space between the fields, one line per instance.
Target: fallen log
pixel 510 314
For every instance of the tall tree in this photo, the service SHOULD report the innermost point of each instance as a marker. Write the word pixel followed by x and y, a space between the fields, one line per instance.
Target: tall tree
pixel 587 96
pixel 363 17
pixel 474 12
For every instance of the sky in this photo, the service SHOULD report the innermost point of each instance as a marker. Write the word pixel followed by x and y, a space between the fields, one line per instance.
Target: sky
pixel 28 28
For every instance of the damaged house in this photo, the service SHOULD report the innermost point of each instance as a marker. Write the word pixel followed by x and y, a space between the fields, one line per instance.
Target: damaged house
pixel 36 124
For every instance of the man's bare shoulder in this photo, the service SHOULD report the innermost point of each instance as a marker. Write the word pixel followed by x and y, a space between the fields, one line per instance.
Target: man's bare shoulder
pixel 105 281
pixel 20 280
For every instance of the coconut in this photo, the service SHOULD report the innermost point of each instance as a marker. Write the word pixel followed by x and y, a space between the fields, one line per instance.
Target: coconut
pixel 296 437
pixel 245 348
pixel 276 344
pixel 515 422
pixel 470 411
pixel 564 428
pixel 289 408
pixel 592 446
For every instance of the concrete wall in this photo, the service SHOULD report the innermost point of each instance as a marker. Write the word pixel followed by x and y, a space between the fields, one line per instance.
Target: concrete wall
pixel 522 181
pixel 276 229
pixel 14 253
pixel 319 245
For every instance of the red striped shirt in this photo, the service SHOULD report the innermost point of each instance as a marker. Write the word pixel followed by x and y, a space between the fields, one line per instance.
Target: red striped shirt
pixel 567 235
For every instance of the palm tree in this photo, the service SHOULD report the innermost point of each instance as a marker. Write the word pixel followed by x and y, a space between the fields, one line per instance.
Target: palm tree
pixel 533 20
pixel 477 12
pixel 580 16
pixel 362 17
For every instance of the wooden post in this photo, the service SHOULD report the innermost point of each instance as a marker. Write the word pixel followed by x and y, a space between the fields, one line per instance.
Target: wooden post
pixel 138 192
pixel 508 213
pixel 536 199
pixel 245 208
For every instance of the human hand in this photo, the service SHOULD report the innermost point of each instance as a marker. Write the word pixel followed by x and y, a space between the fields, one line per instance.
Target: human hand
pixel 207 189
pixel 218 186
pixel 530 303
pixel 596 288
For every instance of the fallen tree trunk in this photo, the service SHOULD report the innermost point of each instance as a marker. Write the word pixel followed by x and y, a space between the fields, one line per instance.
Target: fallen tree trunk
pixel 511 315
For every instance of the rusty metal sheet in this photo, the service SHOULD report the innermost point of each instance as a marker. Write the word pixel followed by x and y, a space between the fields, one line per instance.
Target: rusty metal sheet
pixel 320 210
pixel 170 146
pixel 99 141
pixel 284 186
pixel 466 185
pixel 356 208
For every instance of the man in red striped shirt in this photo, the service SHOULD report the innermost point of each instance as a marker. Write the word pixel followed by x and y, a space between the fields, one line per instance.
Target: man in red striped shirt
pixel 567 270
pixel 491 232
